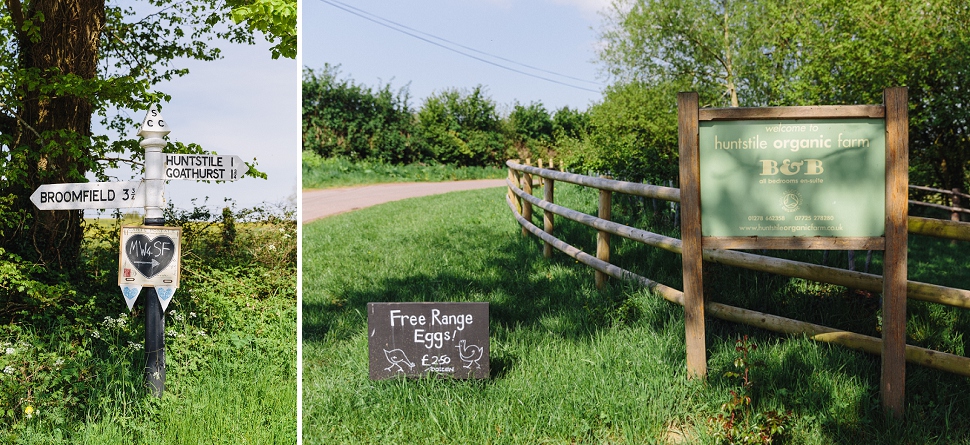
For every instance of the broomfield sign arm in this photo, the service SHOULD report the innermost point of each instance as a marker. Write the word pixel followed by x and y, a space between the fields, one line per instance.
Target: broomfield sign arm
pixel 89 195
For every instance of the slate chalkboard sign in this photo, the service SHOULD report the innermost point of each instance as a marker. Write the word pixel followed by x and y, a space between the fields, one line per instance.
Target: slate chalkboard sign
pixel 416 339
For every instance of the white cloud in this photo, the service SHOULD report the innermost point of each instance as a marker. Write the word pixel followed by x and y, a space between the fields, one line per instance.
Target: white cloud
pixel 590 8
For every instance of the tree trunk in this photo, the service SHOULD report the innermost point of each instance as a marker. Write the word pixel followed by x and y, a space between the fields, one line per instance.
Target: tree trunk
pixel 55 146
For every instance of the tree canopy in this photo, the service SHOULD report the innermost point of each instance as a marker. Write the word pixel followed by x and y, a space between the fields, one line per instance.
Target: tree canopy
pixel 342 118
pixel 276 19
pixel 801 52
pixel 65 63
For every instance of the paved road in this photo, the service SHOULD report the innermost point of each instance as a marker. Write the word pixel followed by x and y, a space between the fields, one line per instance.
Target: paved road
pixel 323 203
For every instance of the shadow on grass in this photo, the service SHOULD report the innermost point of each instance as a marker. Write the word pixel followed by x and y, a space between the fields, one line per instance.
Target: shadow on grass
pixel 832 390
pixel 520 297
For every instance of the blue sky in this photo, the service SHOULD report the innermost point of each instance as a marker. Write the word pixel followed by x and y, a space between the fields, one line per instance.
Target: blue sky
pixel 248 104
pixel 555 35
pixel 244 104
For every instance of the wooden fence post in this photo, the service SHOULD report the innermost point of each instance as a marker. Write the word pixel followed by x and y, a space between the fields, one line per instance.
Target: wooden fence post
pixel 690 214
pixel 955 216
pixel 603 238
pixel 541 179
pixel 955 202
pixel 892 383
pixel 547 217
pixel 527 206
pixel 514 177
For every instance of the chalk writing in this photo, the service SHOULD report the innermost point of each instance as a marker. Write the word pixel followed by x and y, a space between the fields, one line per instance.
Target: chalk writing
pixel 396 357
pixel 150 256
pixel 446 338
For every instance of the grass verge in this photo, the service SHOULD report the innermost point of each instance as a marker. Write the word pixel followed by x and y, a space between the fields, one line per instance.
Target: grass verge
pixel 321 172
pixel 72 364
pixel 572 364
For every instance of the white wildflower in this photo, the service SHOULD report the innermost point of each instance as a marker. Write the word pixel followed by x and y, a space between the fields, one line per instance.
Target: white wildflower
pixel 191 314
pixel 9 370
pixel 10 351
pixel 95 334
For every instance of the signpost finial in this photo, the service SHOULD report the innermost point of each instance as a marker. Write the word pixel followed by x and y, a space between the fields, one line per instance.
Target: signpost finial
pixel 154 126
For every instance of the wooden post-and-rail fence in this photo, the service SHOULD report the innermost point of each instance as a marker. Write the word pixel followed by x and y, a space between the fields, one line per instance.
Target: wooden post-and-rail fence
pixel 956 198
pixel 525 209
pixel 520 198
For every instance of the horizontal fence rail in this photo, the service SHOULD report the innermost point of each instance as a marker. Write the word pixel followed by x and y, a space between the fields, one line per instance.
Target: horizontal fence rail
pixel 954 195
pixel 520 199
pixel 940 191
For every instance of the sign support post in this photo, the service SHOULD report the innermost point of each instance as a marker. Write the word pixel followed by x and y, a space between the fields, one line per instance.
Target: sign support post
pixel 892 384
pixel 690 223
pixel 153 130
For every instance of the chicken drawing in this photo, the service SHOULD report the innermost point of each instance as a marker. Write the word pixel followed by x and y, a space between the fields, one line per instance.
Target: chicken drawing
pixel 470 354
pixel 396 357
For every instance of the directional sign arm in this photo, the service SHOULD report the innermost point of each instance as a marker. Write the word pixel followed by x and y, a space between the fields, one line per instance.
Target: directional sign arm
pixel 89 195
pixel 194 167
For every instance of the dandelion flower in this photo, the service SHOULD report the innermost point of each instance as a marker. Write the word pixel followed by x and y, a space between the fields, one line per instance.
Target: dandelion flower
pixel 28 411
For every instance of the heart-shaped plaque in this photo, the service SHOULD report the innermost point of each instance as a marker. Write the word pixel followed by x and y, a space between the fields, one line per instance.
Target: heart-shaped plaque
pixel 150 255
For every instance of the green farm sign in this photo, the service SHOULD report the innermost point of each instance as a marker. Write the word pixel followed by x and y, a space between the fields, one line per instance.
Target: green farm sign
pixel 784 178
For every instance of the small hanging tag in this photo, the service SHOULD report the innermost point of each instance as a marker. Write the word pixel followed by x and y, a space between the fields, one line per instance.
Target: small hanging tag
pixel 165 295
pixel 131 295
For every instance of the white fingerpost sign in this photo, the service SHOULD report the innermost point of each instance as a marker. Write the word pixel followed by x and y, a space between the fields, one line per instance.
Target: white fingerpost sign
pixel 150 255
pixel 148 193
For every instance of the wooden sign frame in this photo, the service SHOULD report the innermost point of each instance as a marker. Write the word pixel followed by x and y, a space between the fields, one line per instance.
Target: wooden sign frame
pixel 896 114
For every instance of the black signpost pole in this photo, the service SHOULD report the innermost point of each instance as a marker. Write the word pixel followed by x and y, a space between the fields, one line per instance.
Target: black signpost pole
pixel 154 333
pixel 153 131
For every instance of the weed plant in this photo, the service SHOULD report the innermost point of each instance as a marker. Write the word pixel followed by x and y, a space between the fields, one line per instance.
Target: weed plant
pixel 320 172
pixel 573 364
pixel 72 358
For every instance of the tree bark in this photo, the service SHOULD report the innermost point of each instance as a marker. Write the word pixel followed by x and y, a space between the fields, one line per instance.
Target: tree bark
pixel 56 147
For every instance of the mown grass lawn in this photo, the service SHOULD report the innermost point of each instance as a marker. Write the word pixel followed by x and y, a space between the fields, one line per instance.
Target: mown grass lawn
pixel 571 364
pixel 72 365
